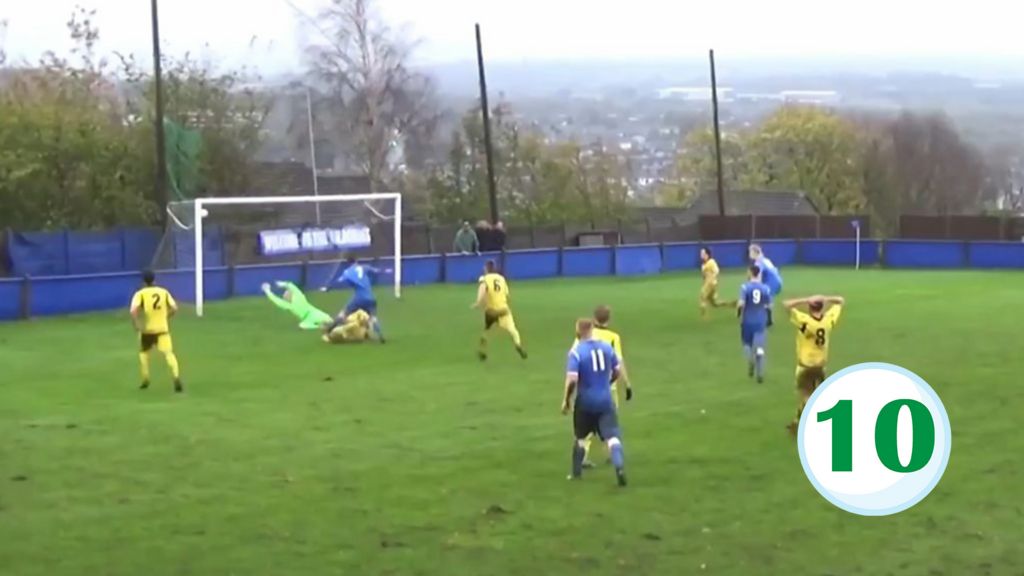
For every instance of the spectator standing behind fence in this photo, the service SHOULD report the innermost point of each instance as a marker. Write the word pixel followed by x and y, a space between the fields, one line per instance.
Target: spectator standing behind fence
pixel 498 237
pixel 466 241
pixel 484 236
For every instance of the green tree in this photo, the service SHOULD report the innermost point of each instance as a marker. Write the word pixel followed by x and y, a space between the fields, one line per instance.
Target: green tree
pixel 76 135
pixel 383 113
pixel 538 182
pixel 221 108
pixel 66 154
pixel 811 150
pixel 696 170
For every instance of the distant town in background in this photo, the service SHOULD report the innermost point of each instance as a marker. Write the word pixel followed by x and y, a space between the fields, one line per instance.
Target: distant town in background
pixel 643 110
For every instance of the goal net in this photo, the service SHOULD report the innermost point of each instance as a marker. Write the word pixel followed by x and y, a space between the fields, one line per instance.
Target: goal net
pixel 207 235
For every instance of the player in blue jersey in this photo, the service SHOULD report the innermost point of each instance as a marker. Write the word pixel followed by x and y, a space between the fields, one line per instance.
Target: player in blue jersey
pixel 360 278
pixel 770 274
pixel 591 369
pixel 753 309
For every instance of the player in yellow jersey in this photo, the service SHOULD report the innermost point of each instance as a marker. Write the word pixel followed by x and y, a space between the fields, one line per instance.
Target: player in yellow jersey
pixel 492 296
pixel 354 328
pixel 601 331
pixel 709 285
pixel 151 309
pixel 813 335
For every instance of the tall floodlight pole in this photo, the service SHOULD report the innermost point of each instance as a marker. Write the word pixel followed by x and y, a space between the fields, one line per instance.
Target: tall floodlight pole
pixel 160 188
pixel 492 184
pixel 718 135
pixel 312 151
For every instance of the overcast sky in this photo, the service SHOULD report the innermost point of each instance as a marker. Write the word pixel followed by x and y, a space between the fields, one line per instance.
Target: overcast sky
pixel 547 29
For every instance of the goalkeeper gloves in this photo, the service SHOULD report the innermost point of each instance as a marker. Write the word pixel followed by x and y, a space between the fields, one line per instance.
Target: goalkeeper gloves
pixel 629 393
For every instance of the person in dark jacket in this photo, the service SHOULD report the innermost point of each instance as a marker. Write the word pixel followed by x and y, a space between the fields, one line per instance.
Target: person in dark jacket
pixel 485 236
pixel 498 237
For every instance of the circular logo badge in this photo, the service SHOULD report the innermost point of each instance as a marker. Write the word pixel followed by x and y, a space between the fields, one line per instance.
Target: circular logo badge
pixel 874 439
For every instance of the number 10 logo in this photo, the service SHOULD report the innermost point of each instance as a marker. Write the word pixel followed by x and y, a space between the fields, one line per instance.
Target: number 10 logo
pixel 874 439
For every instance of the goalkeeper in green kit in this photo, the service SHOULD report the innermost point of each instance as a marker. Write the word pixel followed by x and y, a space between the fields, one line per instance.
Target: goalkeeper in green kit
pixel 294 301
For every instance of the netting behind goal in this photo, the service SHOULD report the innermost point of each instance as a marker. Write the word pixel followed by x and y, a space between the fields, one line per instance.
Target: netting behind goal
pixel 253 232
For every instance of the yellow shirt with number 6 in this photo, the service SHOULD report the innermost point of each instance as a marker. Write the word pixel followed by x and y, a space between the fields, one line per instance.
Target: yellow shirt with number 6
pixel 496 292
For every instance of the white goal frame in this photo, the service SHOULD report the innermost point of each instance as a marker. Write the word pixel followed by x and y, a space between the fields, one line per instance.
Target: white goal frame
pixel 199 204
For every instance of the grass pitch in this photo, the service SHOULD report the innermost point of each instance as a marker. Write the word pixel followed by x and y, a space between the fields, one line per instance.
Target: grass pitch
pixel 287 456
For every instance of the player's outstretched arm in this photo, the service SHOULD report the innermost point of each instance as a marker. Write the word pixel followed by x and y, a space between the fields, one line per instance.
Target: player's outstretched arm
pixel 135 319
pixel 838 300
pixel 481 293
pixel 570 387
pixel 620 375
pixel 275 299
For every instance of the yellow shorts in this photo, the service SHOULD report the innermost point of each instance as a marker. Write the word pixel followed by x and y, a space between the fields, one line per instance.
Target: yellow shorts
pixel 808 378
pixel 348 333
pixel 709 293
pixel 162 342
pixel 503 318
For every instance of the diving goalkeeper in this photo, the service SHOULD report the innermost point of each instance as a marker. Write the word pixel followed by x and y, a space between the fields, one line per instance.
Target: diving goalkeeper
pixel 294 301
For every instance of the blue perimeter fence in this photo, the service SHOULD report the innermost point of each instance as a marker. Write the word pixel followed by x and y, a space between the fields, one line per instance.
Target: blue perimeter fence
pixel 30 296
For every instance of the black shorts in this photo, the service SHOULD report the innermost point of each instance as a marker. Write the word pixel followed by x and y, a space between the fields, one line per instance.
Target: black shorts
pixel 147 341
pixel 492 318
pixel 604 423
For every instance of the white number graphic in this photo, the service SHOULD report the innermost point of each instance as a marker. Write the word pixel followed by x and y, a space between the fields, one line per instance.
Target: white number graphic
pixel 359 271
pixel 755 296
pixel 597 360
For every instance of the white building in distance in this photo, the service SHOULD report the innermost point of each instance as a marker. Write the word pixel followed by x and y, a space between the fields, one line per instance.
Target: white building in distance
pixel 694 93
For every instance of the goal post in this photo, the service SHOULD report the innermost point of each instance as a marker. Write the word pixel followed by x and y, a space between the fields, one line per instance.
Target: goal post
pixel 255 216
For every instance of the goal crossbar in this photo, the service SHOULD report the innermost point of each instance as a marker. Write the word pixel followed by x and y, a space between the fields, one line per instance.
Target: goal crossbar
pixel 199 204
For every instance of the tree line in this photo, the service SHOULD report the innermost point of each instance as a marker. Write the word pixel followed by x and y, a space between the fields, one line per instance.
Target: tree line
pixel 77 142
pixel 910 163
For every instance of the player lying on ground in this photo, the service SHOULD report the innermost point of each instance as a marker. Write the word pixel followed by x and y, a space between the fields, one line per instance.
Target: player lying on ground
pixel 752 308
pixel 151 309
pixel 360 278
pixel 590 371
pixel 813 334
pixel 770 274
pixel 292 300
pixel 492 296
pixel 709 286
pixel 602 317
pixel 353 329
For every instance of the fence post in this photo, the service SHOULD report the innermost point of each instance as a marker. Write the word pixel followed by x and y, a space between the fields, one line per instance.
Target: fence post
pixel 504 254
pixel 565 233
pixel 444 267
pixel 661 257
pixel 67 251
pixel 26 297
pixel 647 223
pixel 430 239
pixel 533 236
pixel 561 260
pixel 231 281
pixel 615 259
pixel 123 235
